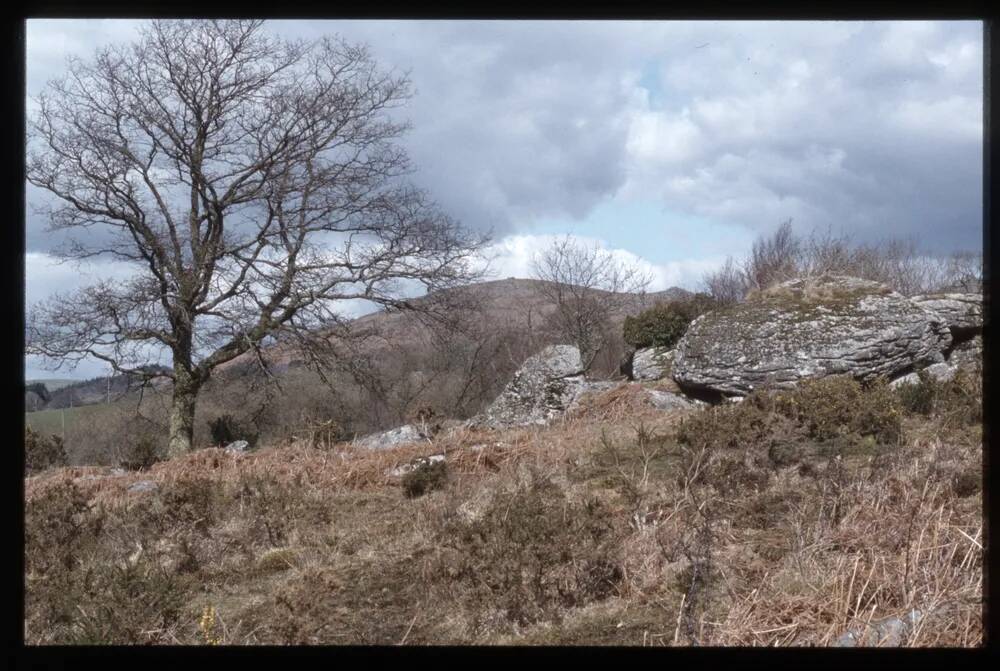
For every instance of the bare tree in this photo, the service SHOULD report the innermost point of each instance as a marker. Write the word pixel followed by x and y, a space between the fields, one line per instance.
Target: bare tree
pixel 726 285
pixel 773 259
pixel 252 182
pixel 586 284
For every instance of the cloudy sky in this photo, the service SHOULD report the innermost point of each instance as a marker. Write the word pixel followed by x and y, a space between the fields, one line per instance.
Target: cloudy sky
pixel 675 143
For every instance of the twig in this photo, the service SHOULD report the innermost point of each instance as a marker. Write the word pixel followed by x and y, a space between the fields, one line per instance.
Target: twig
pixel 412 622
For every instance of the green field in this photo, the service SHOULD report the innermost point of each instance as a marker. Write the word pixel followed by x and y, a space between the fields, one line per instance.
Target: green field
pixel 51 421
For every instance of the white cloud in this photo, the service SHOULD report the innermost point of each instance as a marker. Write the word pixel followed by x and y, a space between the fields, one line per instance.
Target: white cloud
pixel 512 256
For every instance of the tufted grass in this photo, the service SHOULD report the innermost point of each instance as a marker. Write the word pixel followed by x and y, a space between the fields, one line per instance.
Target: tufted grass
pixel 618 525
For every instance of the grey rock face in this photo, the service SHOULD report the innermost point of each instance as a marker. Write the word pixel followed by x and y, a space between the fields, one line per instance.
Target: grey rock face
pixel 543 388
pixel 652 363
pixel 962 312
pixel 807 328
pixel 391 438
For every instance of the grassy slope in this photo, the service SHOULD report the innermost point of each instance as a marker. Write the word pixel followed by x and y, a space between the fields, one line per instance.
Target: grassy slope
pixel 601 529
pixel 51 421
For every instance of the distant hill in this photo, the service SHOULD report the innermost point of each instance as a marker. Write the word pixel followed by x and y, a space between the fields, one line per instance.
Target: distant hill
pixel 511 304
pixel 39 395
pixel 511 316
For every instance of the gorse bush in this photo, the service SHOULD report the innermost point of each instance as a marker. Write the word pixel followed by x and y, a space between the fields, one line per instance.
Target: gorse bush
pixel 957 402
pixel 834 409
pixel 836 406
pixel 141 454
pixel 42 451
pixel 664 324
pixel 226 429
pixel 425 478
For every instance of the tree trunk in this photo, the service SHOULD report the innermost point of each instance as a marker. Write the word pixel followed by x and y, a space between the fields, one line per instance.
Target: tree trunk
pixel 182 408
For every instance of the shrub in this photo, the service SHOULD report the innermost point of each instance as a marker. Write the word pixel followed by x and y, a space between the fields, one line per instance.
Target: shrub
pixel 425 478
pixel 664 324
pixel 532 553
pixel 956 402
pixel 42 451
pixel 226 429
pixel 140 455
pixel 833 407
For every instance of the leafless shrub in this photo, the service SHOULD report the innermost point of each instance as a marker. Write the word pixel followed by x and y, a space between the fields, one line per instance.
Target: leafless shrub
pixel 586 284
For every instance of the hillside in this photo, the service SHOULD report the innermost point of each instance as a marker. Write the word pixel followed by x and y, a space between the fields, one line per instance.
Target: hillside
pixel 514 305
pixel 827 509
pixel 620 524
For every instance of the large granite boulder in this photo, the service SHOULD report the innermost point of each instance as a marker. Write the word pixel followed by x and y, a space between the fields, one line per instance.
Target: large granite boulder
pixel 543 388
pixel 962 312
pixel 804 328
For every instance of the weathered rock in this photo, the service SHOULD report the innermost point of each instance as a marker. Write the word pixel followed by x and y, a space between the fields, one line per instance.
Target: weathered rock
pixel 665 400
pixel 543 388
pixel 890 632
pixel 962 312
pixel 143 486
pixel 807 328
pixel 401 435
pixel 909 378
pixel 967 354
pixel 652 363
pixel 942 372
pixel 238 446
pixel 413 465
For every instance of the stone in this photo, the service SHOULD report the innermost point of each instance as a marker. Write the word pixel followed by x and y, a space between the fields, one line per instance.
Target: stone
pixel 543 388
pixel 143 486
pixel 401 435
pixel 909 378
pixel 963 313
pixel 238 446
pixel 890 632
pixel 413 465
pixel 652 363
pixel 665 400
pixel 967 354
pixel 806 328
pixel 941 372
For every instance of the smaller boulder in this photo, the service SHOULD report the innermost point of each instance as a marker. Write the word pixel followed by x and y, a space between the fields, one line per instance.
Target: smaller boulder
pixel 413 465
pixel 967 354
pixel 238 446
pixel 401 435
pixel 890 632
pixel 664 400
pixel 143 486
pixel 652 363
pixel 909 378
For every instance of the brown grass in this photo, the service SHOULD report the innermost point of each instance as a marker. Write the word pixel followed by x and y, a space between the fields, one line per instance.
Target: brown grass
pixel 608 527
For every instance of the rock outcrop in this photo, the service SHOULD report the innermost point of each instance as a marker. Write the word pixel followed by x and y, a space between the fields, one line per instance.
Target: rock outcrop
pixel 963 313
pixel 805 328
pixel 543 388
